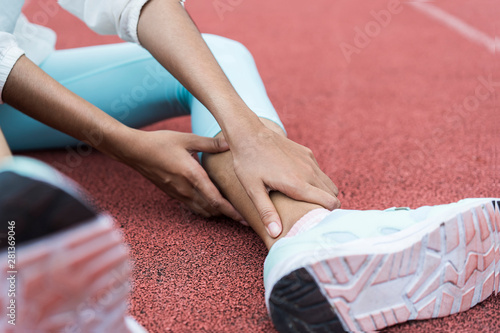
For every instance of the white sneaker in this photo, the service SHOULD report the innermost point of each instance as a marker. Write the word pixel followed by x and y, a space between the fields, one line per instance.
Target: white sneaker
pixel 63 267
pixel 366 270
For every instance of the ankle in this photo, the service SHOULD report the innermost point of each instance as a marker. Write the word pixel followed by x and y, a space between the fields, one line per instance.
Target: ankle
pixel 308 221
pixel 291 212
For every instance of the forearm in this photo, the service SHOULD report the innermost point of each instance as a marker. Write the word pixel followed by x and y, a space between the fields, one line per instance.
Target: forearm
pixel 167 31
pixel 33 92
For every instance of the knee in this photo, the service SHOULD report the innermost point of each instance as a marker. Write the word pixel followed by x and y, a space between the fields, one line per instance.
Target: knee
pixel 223 47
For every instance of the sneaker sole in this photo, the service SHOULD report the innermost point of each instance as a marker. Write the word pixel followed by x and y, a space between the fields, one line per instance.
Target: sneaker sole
pixel 73 281
pixel 454 265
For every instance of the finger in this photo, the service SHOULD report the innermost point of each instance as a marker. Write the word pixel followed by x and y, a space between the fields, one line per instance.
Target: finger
pixel 200 180
pixel 200 201
pixel 312 194
pixel 266 210
pixel 185 193
pixel 195 202
pixel 197 209
pixel 321 183
pixel 190 204
pixel 208 145
pixel 314 159
pixel 220 205
pixel 329 183
pixel 326 180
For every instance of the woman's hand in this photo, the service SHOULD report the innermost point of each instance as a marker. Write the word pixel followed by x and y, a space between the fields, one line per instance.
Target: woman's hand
pixel 168 159
pixel 266 161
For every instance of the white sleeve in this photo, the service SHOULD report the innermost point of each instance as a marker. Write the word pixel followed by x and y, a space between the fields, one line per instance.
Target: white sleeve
pixel 108 17
pixel 10 52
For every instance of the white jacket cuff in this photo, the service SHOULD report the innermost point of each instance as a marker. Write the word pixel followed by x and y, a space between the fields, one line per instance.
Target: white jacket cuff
pixel 130 19
pixel 9 54
pixel 108 17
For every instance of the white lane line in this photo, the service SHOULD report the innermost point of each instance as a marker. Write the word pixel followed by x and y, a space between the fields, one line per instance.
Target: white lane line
pixel 465 29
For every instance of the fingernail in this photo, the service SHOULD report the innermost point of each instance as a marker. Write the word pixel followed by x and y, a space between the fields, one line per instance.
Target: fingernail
pixel 273 229
pixel 245 223
pixel 337 203
pixel 224 144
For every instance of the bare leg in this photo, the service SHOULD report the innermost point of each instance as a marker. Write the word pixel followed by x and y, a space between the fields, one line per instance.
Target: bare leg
pixel 4 148
pixel 220 169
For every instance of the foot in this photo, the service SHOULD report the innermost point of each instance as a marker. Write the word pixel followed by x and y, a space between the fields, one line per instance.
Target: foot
pixel 366 270
pixel 63 267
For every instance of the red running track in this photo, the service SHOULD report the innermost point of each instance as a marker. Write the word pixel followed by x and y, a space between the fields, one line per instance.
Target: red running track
pixel 390 127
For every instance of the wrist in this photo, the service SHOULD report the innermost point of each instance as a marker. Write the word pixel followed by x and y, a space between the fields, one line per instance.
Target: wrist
pixel 241 128
pixel 114 140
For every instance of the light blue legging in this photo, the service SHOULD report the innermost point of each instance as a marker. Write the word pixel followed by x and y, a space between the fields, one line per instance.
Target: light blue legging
pixel 126 82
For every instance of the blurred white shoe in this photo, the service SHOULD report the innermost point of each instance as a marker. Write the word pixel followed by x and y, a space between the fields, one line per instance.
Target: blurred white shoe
pixel 63 267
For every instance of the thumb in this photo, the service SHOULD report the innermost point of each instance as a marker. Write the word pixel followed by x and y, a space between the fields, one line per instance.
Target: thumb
pixel 267 211
pixel 209 145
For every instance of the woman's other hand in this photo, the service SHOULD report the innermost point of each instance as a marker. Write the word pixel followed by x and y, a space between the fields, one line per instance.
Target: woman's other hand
pixel 168 159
